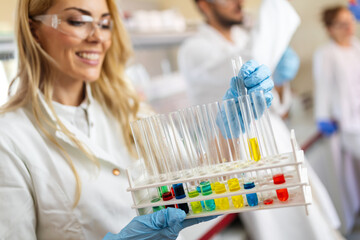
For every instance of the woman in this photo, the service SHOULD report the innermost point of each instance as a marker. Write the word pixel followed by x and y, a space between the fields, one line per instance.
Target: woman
pixel 337 105
pixel 65 138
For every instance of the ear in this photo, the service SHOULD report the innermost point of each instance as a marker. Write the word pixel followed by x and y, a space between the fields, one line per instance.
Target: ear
pixel 34 29
pixel 204 7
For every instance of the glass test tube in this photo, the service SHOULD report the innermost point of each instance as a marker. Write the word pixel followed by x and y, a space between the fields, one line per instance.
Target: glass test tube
pixel 194 190
pixel 262 120
pixel 233 130
pixel 143 151
pixel 180 194
pixel 249 183
pixel 156 208
pixel 206 191
pixel 234 186
pixel 279 178
pixel 167 197
pixel 221 203
pixel 196 141
pixel 247 113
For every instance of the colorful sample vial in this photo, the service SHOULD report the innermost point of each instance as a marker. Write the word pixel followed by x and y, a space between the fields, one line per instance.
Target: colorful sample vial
pixel 156 208
pixel 180 194
pixel 206 191
pixel 254 149
pixel 251 198
pixel 283 193
pixel 234 186
pixel 167 197
pixel 195 206
pixel 162 190
pixel 221 203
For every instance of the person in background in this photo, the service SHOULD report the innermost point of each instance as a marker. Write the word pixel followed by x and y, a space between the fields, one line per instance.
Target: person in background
pixel 337 106
pixel 65 137
pixel 337 79
pixel 205 62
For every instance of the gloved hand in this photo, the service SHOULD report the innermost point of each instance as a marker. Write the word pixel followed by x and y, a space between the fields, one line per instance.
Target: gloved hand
pixel 287 67
pixel 327 127
pixel 164 224
pixel 256 78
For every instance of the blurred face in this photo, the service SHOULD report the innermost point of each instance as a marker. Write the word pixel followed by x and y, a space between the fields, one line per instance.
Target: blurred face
pixel 343 27
pixel 78 45
pixel 227 12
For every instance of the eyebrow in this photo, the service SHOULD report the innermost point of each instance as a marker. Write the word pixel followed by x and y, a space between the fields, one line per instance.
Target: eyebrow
pixel 85 12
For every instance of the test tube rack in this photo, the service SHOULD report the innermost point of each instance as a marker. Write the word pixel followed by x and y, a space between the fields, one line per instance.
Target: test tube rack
pixel 294 171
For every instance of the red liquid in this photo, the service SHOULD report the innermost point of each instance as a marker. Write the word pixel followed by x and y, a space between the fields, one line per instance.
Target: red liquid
pixel 282 194
pixel 279 178
pixel 268 201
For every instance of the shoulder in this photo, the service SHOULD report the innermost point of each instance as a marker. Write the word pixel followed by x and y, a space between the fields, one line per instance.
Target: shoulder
pixel 326 49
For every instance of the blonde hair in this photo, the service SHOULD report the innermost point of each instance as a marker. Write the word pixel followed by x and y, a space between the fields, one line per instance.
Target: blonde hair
pixel 35 66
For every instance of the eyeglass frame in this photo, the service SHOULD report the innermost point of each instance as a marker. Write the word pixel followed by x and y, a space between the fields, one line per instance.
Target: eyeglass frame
pixel 56 21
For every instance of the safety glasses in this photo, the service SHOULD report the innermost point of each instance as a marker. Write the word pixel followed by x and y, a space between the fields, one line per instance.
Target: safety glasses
pixel 77 25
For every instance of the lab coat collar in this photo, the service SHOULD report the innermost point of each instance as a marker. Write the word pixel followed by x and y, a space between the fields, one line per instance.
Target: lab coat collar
pixel 93 148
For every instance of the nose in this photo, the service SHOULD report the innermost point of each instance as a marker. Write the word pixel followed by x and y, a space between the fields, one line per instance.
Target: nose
pixel 95 34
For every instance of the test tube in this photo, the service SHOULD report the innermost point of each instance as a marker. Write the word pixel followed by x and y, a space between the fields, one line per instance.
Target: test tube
pixel 234 186
pixel 196 141
pixel 279 178
pixel 193 192
pixel 156 208
pixel 167 196
pixel 221 203
pixel 206 191
pixel 180 194
pixel 249 183
pixel 263 122
pixel 247 113
pixel 144 151
pixel 233 130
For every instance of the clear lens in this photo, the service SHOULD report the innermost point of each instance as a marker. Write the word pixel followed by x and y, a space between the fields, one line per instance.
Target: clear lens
pixel 77 25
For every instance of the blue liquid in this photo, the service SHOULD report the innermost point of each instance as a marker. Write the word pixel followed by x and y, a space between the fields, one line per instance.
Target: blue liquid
pixel 180 194
pixel 210 205
pixel 251 198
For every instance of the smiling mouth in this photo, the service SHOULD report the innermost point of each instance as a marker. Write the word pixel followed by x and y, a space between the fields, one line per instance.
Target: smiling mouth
pixel 88 56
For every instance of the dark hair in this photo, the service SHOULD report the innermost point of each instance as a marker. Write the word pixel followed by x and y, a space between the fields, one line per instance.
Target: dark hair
pixel 329 14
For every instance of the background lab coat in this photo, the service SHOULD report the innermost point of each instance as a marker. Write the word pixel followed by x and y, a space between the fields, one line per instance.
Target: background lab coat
pixel 205 60
pixel 337 79
pixel 37 186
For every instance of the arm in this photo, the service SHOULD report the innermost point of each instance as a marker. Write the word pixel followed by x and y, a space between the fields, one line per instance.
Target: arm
pixel 17 213
pixel 323 75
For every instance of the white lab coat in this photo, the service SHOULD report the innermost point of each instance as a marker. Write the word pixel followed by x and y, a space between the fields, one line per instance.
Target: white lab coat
pixel 337 78
pixel 37 186
pixel 205 58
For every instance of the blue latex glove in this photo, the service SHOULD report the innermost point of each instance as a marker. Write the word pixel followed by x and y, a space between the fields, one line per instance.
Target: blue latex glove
pixel 256 78
pixel 287 67
pixel 354 7
pixel 327 128
pixel 164 224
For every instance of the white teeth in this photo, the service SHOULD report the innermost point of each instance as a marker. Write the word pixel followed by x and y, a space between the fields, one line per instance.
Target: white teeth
pixel 90 56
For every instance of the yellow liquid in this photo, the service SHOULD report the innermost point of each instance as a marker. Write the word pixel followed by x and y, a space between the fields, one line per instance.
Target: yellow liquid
pixel 238 201
pixel 222 203
pixel 254 149
pixel 196 207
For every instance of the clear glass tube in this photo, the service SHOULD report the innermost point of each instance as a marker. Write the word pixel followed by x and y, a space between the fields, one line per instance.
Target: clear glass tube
pixel 262 120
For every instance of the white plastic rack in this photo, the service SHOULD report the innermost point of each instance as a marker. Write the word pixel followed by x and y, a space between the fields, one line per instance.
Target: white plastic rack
pixel 294 171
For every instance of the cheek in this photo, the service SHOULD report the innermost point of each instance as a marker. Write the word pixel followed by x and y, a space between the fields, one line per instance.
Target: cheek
pixel 57 44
